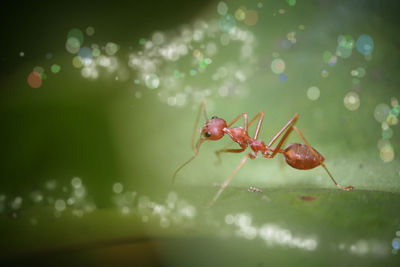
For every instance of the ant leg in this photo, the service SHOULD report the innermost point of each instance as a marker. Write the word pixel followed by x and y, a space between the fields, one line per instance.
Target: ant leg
pixel 277 149
pixel 201 108
pixel 288 128
pixel 246 125
pixel 225 150
pixel 284 128
pixel 260 121
pixel 322 164
pixel 225 184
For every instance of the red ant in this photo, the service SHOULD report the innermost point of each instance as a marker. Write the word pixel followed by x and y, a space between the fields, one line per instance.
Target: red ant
pixel 299 156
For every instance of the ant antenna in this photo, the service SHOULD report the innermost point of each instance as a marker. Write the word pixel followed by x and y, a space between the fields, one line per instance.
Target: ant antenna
pixel 202 107
pixel 189 160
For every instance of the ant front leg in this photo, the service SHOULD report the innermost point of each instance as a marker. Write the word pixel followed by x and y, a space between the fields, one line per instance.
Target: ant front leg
pixel 246 125
pixel 225 150
pixel 225 184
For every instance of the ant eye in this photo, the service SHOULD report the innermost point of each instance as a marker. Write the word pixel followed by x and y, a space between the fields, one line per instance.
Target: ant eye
pixel 214 117
pixel 207 134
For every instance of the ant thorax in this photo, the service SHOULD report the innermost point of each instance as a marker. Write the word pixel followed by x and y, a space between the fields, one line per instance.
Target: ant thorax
pixel 239 135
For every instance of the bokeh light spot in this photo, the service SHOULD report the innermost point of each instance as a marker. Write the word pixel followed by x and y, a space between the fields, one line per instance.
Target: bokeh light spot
pixel 222 8
pixel 138 94
pixel 324 73
pixel 77 34
pixel 60 205
pixel 387 153
pixel 158 38
pixel 396 243
pixel 351 101
pixel 392 119
pixel 383 142
pixel 152 81
pixel 251 17
pixel 72 45
pixel 313 93
pixel 291 2
pixel 381 112
pixel 283 77
pixel 76 182
pixel 291 36
pixel 345 46
pixel 278 66
pixel 394 102
pixel 85 54
pixel 55 68
pixel 90 31
pixel 197 53
pixel 365 44
pixel 343 52
pixel 333 61
pixel 387 133
pixel 395 111
pixel 38 69
pixel 346 41
pixel 96 52
pixel 111 48
pixel 203 63
pixel 227 23
pixel 118 188
pixel 361 72
pixel 240 14
pixel 34 79
pixel 142 41
pixel 77 62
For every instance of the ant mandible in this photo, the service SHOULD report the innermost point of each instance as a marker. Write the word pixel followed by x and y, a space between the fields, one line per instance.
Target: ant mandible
pixel 299 156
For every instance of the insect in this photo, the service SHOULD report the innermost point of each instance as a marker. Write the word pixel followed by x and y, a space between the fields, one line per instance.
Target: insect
pixel 254 189
pixel 299 156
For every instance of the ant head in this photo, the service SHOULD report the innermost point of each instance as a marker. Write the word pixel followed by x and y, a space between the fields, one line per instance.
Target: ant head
pixel 213 129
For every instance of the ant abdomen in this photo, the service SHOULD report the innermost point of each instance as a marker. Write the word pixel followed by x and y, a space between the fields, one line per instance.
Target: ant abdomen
pixel 299 156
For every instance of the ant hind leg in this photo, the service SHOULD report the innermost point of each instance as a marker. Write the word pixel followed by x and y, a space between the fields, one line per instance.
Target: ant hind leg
pixel 349 188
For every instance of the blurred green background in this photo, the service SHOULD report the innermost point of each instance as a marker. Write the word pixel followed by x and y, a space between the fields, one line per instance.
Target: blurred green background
pixel 123 131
